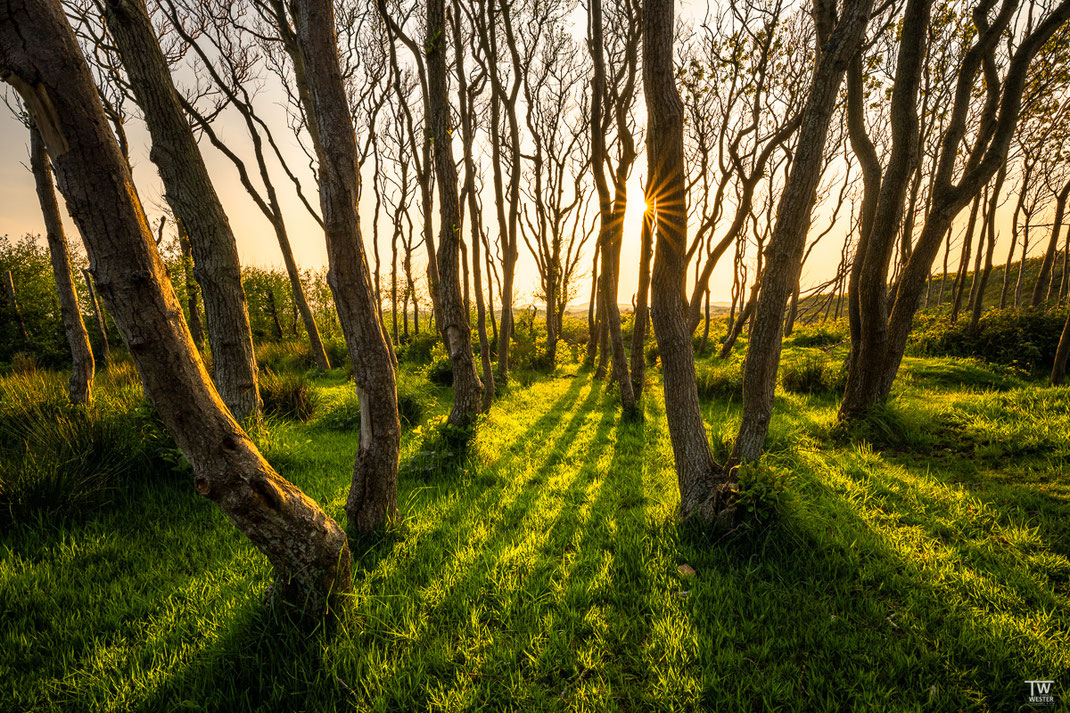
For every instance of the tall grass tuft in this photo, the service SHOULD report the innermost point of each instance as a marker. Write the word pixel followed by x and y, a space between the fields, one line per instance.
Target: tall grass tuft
pixel 813 373
pixel 59 460
pixel 288 395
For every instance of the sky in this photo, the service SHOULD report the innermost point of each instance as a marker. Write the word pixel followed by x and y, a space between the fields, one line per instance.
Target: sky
pixel 257 246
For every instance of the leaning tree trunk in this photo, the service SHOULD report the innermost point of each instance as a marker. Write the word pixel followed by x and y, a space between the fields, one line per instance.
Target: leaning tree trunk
pixel 193 290
pixel 98 314
pixel 786 244
pixel 80 386
pixel 1043 285
pixel 13 303
pixel 704 488
pixel 373 494
pixel 467 388
pixel 192 197
pixel 40 57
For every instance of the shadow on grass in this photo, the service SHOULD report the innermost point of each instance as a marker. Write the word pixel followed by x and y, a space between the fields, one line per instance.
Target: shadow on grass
pixel 443 573
pixel 843 605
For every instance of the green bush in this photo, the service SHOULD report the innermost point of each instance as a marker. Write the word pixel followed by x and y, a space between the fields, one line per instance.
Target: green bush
pixel 1025 338
pixel 420 348
pixel 719 380
pixel 440 372
pixel 813 374
pixel 442 451
pixel 288 395
pixel 763 490
pixel 652 353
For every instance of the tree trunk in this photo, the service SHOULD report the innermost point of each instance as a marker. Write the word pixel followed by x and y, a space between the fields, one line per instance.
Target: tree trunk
pixel 270 294
pixel 703 486
pixel 977 290
pixel 16 310
pixel 964 259
pixel 80 386
pixel 741 321
pixel 40 57
pixel 642 301
pixel 196 205
pixel 193 290
pixel 98 313
pixel 786 244
pixel 473 209
pixel 592 312
pixel 373 496
pixel 467 388
pixel 1042 288
pixel 793 310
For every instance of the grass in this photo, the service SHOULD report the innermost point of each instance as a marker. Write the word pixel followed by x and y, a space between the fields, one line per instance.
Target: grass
pixel 543 574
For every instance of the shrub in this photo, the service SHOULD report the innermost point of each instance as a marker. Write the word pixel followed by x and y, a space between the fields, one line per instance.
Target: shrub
pixel 420 348
pixel 440 372
pixel 1025 338
pixel 813 374
pixel 763 490
pixel 442 451
pixel 288 395
pixel 652 353
pixel 721 380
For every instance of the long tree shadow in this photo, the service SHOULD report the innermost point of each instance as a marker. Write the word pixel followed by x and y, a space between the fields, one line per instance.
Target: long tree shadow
pixel 414 580
pixel 881 612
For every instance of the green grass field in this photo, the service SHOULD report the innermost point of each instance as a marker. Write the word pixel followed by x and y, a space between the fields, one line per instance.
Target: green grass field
pixel 920 563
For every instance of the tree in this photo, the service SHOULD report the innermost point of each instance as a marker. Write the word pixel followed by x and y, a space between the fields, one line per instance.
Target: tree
pixel 703 486
pixel 838 38
pixel 40 58
pixel 611 211
pixel 80 386
pixel 885 315
pixel 232 78
pixel 467 387
pixel 373 495
pixel 196 205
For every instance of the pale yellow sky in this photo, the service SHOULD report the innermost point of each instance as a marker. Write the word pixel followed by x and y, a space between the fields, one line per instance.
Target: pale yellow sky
pixel 20 214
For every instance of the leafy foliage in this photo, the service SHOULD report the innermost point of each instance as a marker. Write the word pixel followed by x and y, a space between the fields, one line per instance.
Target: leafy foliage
pixel 1025 338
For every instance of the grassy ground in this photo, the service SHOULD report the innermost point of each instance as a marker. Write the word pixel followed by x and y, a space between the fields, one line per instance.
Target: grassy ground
pixel 920 565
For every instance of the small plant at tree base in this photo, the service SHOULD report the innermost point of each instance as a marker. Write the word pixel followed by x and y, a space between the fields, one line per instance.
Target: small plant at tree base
pixel 443 449
pixel 440 373
pixel 762 490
